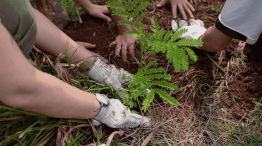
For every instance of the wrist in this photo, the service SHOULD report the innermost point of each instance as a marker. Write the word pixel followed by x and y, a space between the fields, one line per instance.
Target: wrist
pixel 98 105
pixel 123 29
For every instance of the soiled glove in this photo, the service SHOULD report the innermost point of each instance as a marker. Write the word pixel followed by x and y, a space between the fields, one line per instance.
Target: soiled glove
pixel 110 75
pixel 195 29
pixel 115 115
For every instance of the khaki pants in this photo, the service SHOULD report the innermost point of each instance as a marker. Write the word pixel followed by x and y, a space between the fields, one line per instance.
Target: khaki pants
pixel 17 17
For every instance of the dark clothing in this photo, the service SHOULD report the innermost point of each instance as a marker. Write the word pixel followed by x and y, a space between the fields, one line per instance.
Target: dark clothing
pixel 17 17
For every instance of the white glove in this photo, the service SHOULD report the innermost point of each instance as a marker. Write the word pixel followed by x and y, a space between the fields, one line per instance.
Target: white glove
pixel 195 29
pixel 110 75
pixel 115 115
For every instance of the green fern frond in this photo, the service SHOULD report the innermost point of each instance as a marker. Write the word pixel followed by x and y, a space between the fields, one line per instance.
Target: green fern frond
pixel 154 70
pixel 139 91
pixel 189 43
pixel 166 84
pixel 122 13
pixel 112 4
pixel 171 100
pixel 176 60
pixel 184 60
pixel 140 18
pixel 126 22
pixel 133 4
pixel 148 100
pixel 176 35
pixel 191 54
pixel 140 8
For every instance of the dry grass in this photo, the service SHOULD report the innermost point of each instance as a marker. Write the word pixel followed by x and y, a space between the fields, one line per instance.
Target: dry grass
pixel 205 116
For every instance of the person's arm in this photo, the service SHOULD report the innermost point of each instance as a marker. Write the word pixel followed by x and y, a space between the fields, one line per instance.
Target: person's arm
pixel 23 86
pixel 53 41
pixel 124 42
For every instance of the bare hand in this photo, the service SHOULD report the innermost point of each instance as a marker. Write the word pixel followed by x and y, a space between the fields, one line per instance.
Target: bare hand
pixel 91 46
pixel 184 7
pixel 99 11
pixel 123 43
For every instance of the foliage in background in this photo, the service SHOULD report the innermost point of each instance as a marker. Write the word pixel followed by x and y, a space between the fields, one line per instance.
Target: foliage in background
pixel 177 51
pixel 73 10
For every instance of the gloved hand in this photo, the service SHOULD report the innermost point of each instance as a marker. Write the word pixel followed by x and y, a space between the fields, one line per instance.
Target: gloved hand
pixel 195 29
pixel 111 76
pixel 115 115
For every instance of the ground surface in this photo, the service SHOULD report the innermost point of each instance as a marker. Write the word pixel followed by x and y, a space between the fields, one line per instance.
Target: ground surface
pixel 220 95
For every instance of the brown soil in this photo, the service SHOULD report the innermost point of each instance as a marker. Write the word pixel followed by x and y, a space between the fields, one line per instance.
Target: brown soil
pixel 245 87
pixel 100 33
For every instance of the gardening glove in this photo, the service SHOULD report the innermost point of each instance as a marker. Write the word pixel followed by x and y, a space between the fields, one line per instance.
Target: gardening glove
pixel 176 24
pixel 110 75
pixel 115 115
pixel 195 29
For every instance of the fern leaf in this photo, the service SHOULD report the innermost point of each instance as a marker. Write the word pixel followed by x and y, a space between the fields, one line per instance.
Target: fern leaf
pixel 148 100
pixel 126 22
pixel 150 64
pixel 154 70
pixel 134 4
pixel 140 18
pixel 171 100
pixel 176 60
pixel 166 84
pixel 154 24
pixel 159 76
pixel 184 60
pixel 111 4
pixel 122 13
pixel 140 8
pixel 139 92
pixel 191 54
pixel 176 35
pixel 189 43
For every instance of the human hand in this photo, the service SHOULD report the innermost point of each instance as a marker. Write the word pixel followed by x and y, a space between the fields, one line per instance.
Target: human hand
pixel 88 46
pixel 183 6
pixel 124 43
pixel 110 75
pixel 115 115
pixel 98 11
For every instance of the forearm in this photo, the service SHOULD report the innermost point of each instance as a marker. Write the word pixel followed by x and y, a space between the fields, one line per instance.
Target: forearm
pixel 53 41
pixel 23 86
pixel 122 29
pixel 52 97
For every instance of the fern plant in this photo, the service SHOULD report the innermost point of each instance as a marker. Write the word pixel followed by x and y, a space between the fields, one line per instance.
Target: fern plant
pixel 177 51
pixel 150 81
